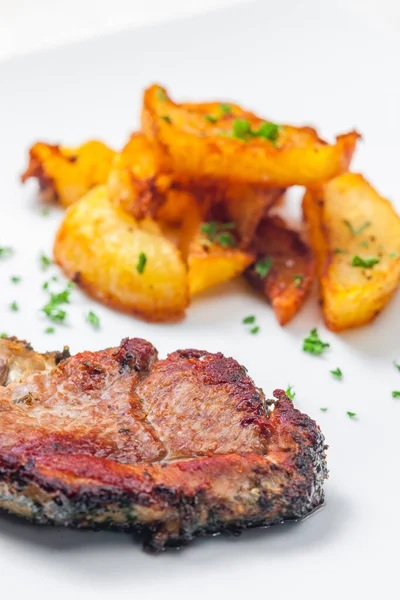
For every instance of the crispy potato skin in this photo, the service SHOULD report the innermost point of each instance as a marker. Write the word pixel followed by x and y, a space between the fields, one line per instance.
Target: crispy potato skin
pixel 291 258
pixel 353 296
pixel 192 146
pixel 98 246
pixel 66 174
pixel 135 183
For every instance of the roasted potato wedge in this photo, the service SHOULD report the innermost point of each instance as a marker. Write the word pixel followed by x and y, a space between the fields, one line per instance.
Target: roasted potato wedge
pixel 284 268
pixel 99 247
pixel 211 259
pixel 355 234
pixel 212 264
pixel 135 183
pixel 246 205
pixel 66 174
pixel 216 140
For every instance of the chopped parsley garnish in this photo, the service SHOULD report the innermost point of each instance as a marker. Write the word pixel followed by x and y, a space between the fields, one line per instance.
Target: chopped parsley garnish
pixel 290 393
pixel 45 262
pixel 161 95
pixel 212 230
pixel 339 251
pixel 166 118
pixel 93 320
pixel 254 330
pixel 397 365
pixel 298 280
pixel 337 373
pixel 241 129
pixel 267 131
pixel 49 330
pixel 14 306
pixel 226 239
pixel 61 297
pixel 248 320
pixel 351 414
pixel 55 278
pixel 365 263
pixel 323 409
pixel 313 344
pixel 395 394
pixel 210 118
pixel 141 263
pixel 394 255
pixel 52 310
pixel 15 279
pixel 3 335
pixel 6 251
pixel 226 109
pixel 55 314
pixel 354 231
pixel 262 267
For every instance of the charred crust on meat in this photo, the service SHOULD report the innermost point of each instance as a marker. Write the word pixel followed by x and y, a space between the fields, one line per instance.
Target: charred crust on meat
pixel 59 479
pixel 135 355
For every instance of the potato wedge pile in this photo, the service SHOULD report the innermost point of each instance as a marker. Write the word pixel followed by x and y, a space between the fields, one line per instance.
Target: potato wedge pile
pixel 186 205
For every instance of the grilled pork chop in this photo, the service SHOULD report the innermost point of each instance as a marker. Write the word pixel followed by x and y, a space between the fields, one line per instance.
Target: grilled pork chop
pixel 173 448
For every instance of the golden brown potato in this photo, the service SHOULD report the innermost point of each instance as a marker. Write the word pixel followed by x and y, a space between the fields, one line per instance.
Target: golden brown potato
pixel 66 174
pixel 284 268
pixel 355 234
pixel 217 140
pixel 122 262
pixel 135 183
pixel 211 259
pixel 247 204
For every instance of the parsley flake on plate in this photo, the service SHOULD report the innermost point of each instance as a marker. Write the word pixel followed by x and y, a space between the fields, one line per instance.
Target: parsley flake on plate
pixel 396 394
pixel 6 251
pixel 249 320
pixel 337 373
pixel 93 319
pixel 45 262
pixel 15 279
pixel 14 306
pixel 313 344
pixel 397 365
pixel 323 409
pixel 49 330
pixel 254 330
pixel 351 414
pixel 290 393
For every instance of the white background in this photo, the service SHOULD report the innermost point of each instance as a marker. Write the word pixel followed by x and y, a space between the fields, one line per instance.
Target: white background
pixel 27 25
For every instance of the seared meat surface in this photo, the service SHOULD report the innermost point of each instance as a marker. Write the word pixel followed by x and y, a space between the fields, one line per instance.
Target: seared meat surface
pixel 174 448
pixel 18 360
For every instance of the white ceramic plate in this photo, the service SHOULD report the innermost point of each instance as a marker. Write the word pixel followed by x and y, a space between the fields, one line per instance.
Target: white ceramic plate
pixel 295 62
